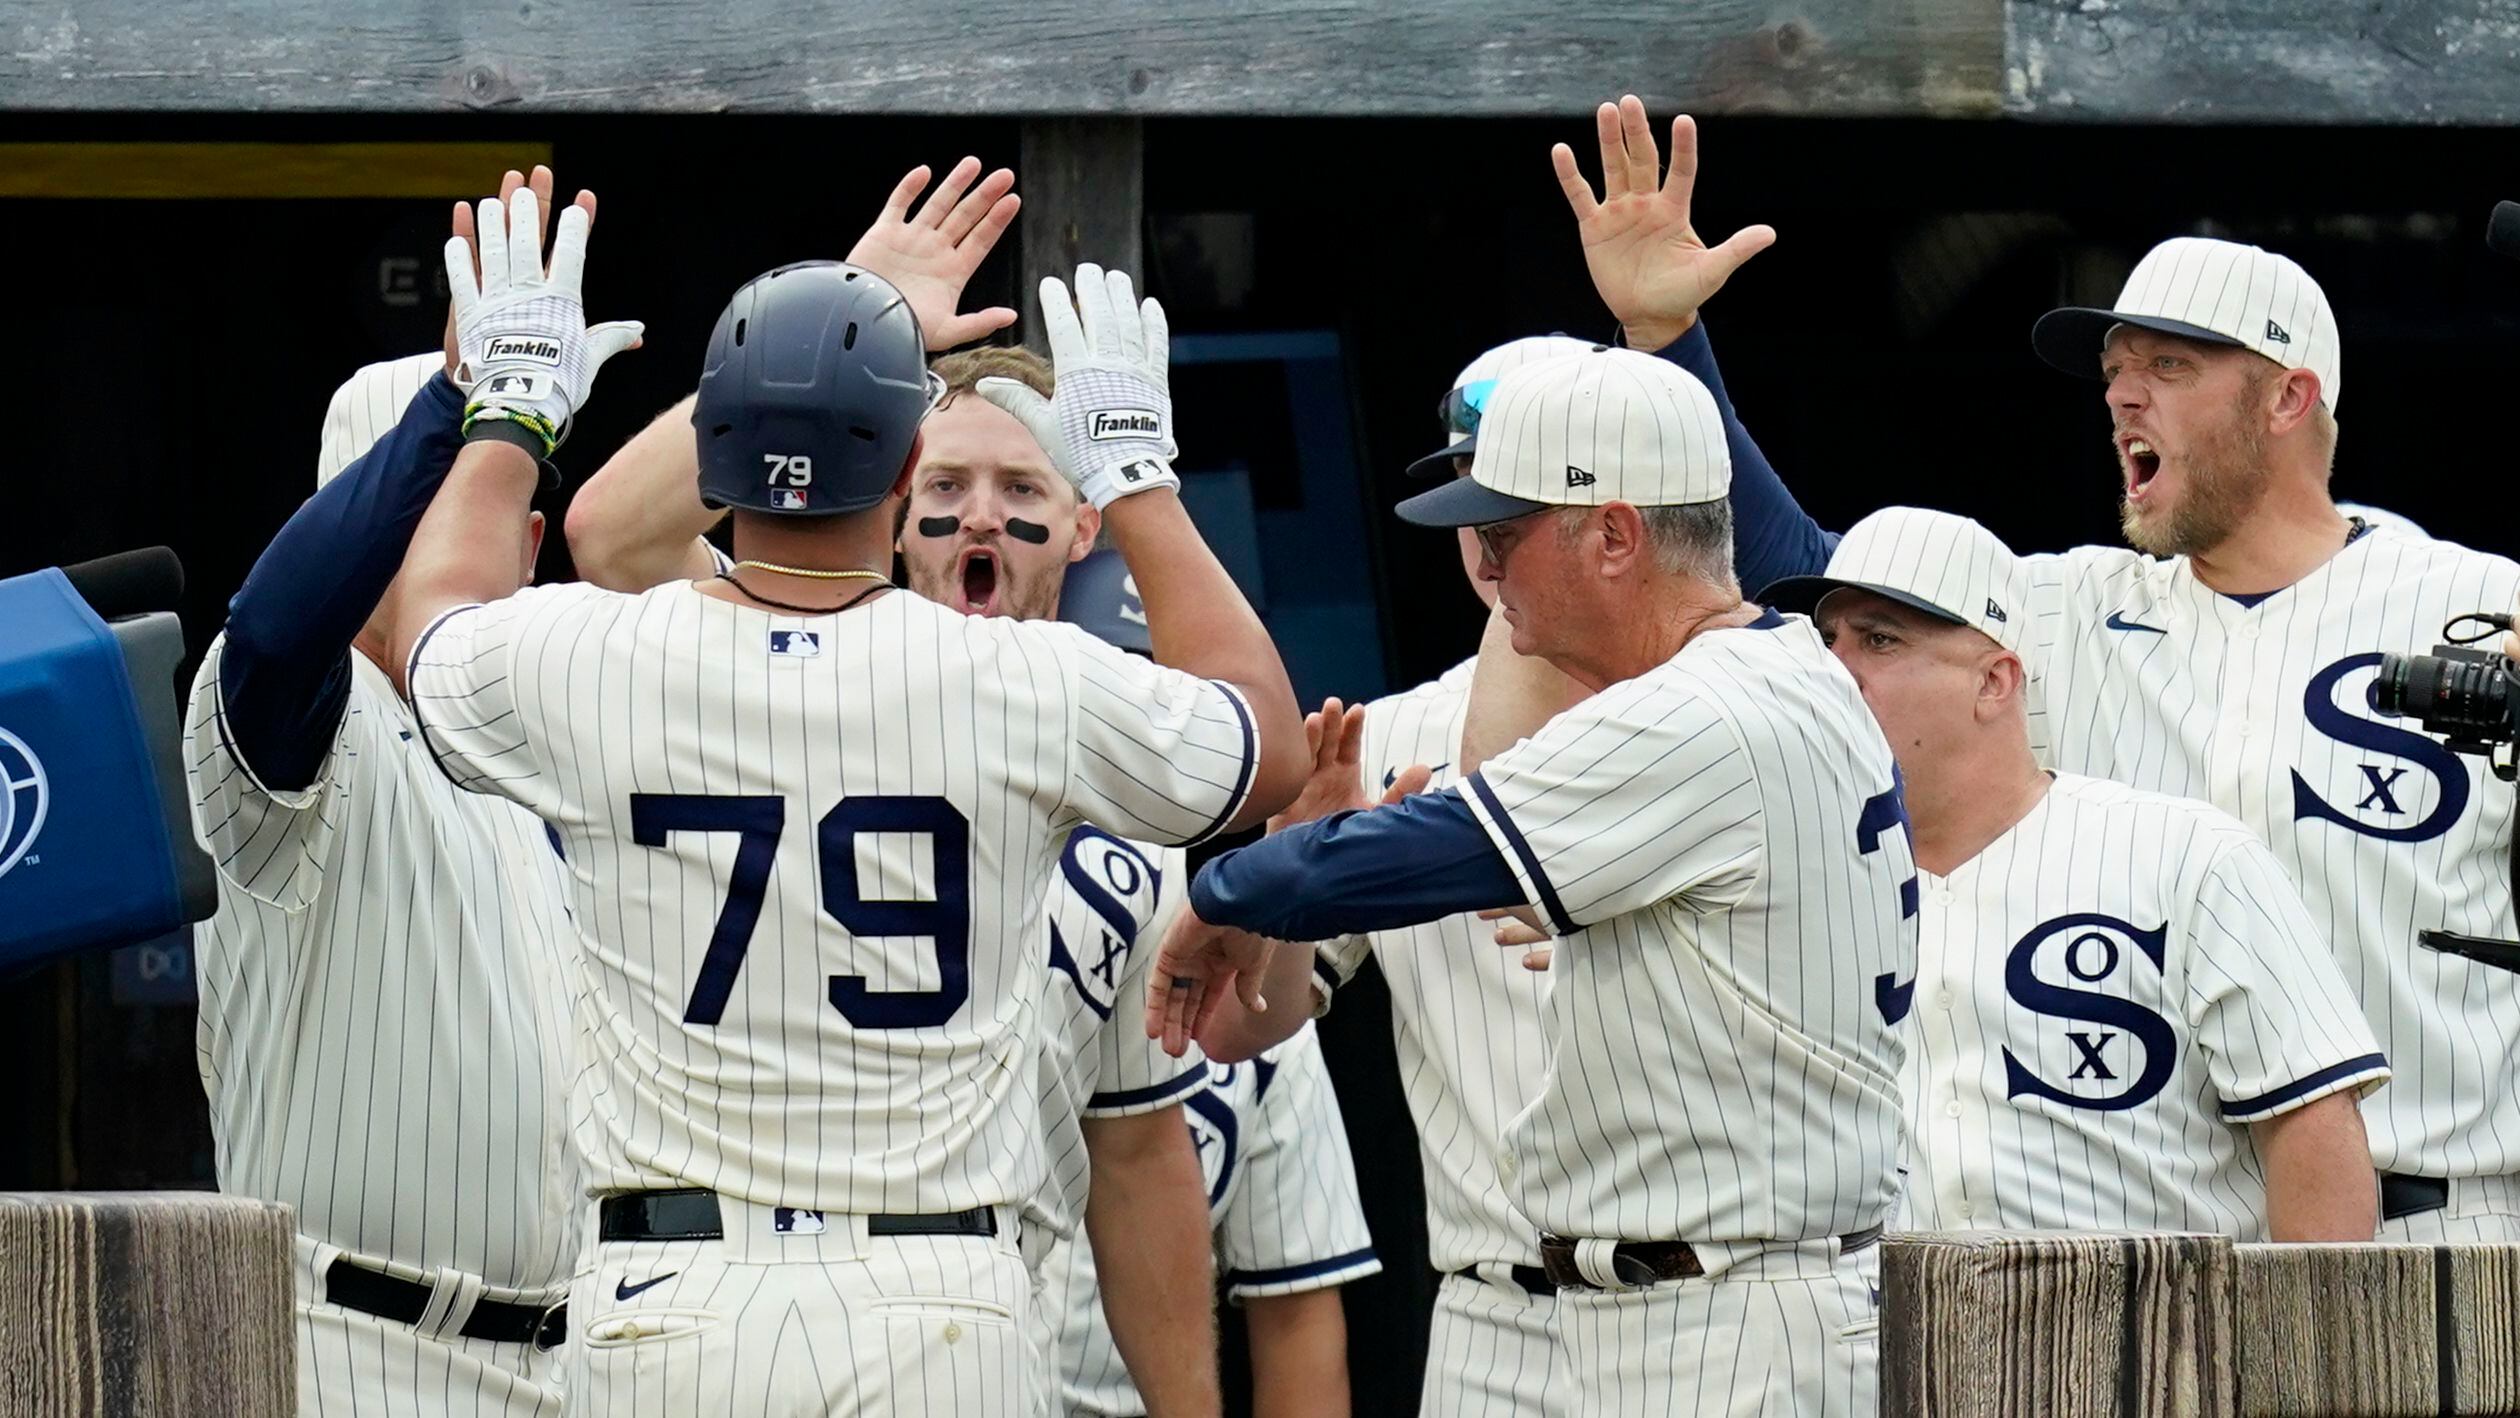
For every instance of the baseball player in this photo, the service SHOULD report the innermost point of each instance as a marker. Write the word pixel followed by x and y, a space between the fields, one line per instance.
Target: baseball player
pixel 2227 655
pixel 1716 835
pixel 989 528
pixel 1269 1139
pixel 2125 1019
pixel 1290 1231
pixel 384 1031
pixel 809 828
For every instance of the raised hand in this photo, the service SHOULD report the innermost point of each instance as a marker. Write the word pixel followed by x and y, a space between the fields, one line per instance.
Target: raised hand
pixel 1109 425
pixel 1333 733
pixel 526 354
pixel 1646 261
pixel 929 255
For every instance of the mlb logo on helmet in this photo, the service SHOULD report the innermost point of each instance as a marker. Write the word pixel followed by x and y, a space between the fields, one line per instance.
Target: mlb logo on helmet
pixel 24 795
pixel 795 644
pixel 787 499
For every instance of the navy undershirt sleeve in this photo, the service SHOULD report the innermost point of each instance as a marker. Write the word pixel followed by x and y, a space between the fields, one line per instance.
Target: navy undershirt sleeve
pixel 1773 538
pixel 284 675
pixel 1421 859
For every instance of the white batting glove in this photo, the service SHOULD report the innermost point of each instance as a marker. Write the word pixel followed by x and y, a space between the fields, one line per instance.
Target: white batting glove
pixel 525 352
pixel 1109 429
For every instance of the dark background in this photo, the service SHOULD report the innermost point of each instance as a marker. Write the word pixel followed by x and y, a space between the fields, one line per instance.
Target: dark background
pixel 170 362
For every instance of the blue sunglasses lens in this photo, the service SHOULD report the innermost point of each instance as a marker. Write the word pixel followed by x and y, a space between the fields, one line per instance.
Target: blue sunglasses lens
pixel 1463 406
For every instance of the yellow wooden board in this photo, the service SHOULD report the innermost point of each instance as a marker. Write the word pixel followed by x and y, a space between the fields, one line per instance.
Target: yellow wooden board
pixel 282 170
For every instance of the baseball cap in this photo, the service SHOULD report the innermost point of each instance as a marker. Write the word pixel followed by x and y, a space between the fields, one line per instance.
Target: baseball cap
pixel 2221 292
pixel 1464 403
pixel 1944 565
pixel 1101 596
pixel 368 403
pixel 1581 430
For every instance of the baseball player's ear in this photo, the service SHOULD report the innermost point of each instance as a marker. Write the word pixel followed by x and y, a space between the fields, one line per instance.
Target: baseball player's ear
pixel 910 465
pixel 2295 398
pixel 2001 686
pixel 1088 531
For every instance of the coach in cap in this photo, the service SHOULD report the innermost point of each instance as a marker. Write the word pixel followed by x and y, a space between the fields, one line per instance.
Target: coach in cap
pixel 1716 836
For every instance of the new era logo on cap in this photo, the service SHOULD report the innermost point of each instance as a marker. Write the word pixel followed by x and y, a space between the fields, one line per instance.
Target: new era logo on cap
pixel 2217 292
pixel 1577 477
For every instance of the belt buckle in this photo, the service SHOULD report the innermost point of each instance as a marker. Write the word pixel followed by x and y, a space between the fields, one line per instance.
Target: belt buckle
pixel 551 1327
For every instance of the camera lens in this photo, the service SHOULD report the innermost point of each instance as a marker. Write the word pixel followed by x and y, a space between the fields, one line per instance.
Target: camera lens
pixel 2461 697
pixel 2389 687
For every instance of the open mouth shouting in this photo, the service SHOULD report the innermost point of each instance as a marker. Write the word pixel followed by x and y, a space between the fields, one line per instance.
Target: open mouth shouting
pixel 976 581
pixel 2140 462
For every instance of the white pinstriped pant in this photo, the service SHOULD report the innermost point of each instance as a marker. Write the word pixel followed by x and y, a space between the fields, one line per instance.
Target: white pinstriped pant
pixel 1789 1331
pixel 1492 1350
pixel 799 1326
pixel 352 1364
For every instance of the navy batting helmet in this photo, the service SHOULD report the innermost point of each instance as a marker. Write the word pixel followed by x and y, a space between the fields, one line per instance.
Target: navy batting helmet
pixel 1101 596
pixel 811 398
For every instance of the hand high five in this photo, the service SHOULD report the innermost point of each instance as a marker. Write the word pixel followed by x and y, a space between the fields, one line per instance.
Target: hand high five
pixel 929 254
pixel 1646 261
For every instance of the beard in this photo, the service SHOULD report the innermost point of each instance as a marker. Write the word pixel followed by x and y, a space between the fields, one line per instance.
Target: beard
pixel 2227 477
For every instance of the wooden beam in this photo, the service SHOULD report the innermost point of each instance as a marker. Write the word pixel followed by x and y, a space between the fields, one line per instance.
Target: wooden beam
pixel 1084 182
pixel 2264 61
pixel 1436 58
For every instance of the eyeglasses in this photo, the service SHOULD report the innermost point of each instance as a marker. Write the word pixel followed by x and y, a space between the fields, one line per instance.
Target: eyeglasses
pixel 1461 408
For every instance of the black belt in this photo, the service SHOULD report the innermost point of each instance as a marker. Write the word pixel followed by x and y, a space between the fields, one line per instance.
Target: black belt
pixel 1652 1262
pixel 1531 1278
pixel 691 1214
pixel 354 1286
pixel 2403 1195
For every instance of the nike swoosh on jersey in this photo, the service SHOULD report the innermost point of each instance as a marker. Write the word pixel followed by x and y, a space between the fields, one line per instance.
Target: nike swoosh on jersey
pixel 624 1289
pixel 2118 621
pixel 1392 775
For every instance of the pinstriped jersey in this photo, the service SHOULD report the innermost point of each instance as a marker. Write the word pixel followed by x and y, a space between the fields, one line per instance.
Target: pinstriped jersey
pixel 1721 845
pixel 385 1031
pixel 1281 1189
pixel 809 857
pixel 2141 673
pixel 1465 1015
pixel 1109 908
pixel 2106 996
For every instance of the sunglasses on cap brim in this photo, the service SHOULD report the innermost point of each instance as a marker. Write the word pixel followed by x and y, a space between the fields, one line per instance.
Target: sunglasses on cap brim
pixel 1461 408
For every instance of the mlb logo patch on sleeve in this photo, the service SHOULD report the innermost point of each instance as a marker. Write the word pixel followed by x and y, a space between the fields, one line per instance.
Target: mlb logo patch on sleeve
pixel 796 644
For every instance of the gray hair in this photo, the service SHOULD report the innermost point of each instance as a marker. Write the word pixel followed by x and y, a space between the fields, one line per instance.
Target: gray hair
pixel 1692 539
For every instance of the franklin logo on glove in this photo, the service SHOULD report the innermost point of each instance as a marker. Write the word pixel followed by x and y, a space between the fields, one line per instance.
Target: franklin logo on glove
pixel 531 347
pixel 1125 423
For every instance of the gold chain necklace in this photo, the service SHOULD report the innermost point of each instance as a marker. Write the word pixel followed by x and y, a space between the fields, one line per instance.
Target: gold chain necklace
pixel 811 574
